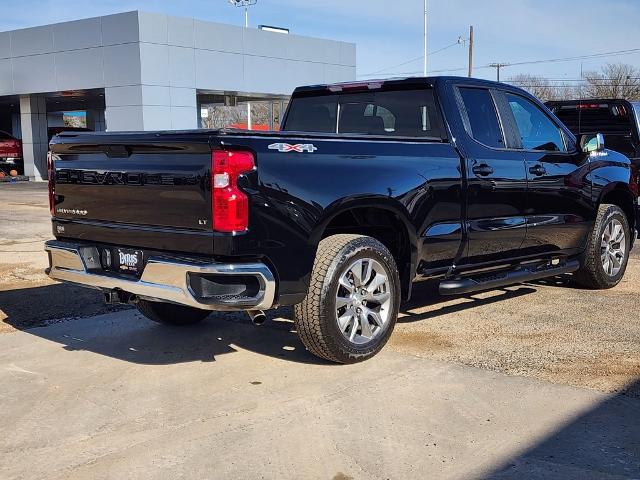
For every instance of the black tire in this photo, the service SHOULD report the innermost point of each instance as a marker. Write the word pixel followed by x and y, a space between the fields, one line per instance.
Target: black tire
pixel 170 313
pixel 315 318
pixel 592 273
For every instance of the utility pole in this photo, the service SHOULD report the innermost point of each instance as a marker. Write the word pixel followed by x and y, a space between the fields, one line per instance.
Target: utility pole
pixel 470 51
pixel 426 25
pixel 498 66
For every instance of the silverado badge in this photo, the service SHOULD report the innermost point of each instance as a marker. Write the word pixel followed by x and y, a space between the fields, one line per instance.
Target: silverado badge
pixel 299 147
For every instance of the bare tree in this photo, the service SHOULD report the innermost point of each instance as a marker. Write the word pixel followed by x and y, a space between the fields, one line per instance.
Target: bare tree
pixel 615 80
pixel 538 86
pixel 221 116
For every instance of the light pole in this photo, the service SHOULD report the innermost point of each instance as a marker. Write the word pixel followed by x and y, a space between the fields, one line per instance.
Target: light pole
pixel 246 4
pixel 426 43
pixel 470 51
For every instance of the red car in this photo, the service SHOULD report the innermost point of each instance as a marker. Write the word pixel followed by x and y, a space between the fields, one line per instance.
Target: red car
pixel 10 154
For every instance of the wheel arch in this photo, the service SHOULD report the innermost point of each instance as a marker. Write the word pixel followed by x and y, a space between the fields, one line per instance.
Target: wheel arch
pixel 365 212
pixel 620 194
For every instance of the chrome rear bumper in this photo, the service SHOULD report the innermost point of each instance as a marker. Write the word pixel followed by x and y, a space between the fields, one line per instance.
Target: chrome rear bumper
pixel 164 278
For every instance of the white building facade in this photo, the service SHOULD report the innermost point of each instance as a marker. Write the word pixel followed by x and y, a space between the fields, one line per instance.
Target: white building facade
pixel 146 71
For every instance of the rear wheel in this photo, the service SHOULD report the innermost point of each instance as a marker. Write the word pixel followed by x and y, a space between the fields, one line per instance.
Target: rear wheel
pixel 352 304
pixel 605 259
pixel 170 313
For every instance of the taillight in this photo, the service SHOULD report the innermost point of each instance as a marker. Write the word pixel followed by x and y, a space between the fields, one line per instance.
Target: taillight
pixel 52 188
pixel 230 205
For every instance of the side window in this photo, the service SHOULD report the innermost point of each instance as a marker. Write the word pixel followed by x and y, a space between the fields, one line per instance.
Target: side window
pixel 483 117
pixel 536 129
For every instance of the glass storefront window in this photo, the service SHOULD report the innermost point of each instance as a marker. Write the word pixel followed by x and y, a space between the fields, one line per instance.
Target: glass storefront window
pixel 219 111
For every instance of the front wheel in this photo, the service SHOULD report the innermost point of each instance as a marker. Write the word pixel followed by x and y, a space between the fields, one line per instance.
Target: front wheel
pixel 605 259
pixel 352 304
pixel 170 313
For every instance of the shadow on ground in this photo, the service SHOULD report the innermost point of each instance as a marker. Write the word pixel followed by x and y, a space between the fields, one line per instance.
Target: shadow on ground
pixel 127 335
pixel 425 294
pixel 603 443
pixel 42 305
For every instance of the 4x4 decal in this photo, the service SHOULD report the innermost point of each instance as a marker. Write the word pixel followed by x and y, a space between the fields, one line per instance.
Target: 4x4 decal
pixel 299 147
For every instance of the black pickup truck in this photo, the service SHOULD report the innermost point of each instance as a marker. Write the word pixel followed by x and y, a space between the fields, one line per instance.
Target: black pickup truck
pixel 618 120
pixel 368 187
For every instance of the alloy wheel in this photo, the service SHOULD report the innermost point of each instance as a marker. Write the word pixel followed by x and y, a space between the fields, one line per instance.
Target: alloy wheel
pixel 613 247
pixel 363 301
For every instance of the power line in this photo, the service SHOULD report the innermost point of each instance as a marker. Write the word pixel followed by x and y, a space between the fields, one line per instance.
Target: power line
pixel 530 62
pixel 600 79
pixel 580 57
pixel 394 66
pixel 410 61
pixel 419 72
pixel 574 86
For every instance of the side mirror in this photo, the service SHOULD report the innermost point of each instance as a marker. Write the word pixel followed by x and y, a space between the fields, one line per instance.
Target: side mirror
pixel 592 143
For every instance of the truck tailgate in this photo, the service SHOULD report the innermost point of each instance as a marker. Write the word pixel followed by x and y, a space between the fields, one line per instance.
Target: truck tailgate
pixel 149 181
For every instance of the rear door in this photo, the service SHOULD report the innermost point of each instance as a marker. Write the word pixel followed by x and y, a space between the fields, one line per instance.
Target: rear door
pixel 558 208
pixel 497 182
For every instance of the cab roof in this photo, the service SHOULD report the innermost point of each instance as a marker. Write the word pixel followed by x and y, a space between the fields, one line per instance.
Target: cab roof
pixel 417 82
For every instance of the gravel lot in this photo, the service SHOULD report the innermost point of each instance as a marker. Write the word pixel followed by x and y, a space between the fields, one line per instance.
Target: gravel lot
pixel 547 330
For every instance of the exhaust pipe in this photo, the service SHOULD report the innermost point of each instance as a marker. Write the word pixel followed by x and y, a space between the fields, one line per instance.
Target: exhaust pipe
pixel 119 297
pixel 257 317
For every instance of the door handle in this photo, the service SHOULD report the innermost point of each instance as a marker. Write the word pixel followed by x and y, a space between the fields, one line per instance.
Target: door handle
pixel 483 170
pixel 538 170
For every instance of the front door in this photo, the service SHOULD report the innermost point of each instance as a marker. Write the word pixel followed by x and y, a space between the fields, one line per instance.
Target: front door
pixel 558 206
pixel 497 182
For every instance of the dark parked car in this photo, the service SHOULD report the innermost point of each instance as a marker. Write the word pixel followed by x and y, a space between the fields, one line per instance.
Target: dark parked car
pixel 10 154
pixel 368 187
pixel 617 120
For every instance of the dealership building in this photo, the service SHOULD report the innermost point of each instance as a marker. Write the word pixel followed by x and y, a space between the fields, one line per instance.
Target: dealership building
pixel 146 71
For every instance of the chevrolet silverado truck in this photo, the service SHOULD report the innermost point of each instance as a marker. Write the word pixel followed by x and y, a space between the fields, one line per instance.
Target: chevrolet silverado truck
pixel 367 187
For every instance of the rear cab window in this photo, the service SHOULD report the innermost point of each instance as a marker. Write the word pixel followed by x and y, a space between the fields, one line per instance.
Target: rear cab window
pixel 312 114
pixel 385 113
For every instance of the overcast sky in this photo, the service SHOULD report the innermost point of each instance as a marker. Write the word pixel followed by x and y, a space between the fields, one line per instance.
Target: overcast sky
pixel 389 32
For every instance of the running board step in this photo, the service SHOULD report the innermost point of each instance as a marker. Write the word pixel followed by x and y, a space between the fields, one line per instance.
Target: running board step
pixel 501 279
